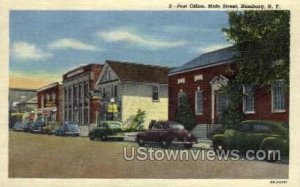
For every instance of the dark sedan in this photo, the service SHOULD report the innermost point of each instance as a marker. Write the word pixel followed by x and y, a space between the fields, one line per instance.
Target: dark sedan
pixel 67 128
pixel 166 134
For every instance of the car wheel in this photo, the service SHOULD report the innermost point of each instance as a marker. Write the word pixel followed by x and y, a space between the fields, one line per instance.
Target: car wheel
pixel 188 146
pixel 165 144
pixel 140 142
pixel 271 155
pixel 92 138
pixel 103 137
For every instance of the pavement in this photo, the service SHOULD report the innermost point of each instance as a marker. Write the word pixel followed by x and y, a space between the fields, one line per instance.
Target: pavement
pixel 202 143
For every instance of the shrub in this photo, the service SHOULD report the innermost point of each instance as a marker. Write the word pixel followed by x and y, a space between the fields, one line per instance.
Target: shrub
pixel 137 122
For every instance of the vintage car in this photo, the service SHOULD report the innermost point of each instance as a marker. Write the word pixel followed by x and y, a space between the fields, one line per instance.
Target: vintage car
pixel 28 126
pixel 166 134
pixel 67 128
pixel 37 127
pixel 107 130
pixel 254 135
pixel 51 127
pixel 18 126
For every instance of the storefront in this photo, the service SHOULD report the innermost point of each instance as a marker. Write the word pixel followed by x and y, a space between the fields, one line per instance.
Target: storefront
pixel 50 99
pixel 77 84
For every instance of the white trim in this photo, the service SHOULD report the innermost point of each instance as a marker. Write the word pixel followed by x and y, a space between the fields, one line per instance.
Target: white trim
pixel 105 68
pixel 202 67
pixel 215 87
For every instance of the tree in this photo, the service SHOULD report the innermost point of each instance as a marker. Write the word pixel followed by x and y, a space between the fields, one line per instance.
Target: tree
pixel 262 39
pixel 184 113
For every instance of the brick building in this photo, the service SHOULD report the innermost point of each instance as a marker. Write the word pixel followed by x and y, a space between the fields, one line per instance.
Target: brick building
pixel 77 84
pixel 50 102
pixel 202 78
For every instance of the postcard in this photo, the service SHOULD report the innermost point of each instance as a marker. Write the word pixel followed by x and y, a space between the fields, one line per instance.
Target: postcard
pixel 174 93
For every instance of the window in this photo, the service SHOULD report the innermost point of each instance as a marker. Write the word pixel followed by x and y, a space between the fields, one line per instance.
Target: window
pixel 103 92
pixel 48 97
pixel 248 100
pixel 42 101
pixel 198 77
pixel 155 90
pixel 115 91
pixel 199 102
pixel 278 101
pixel 181 81
pixel 245 127
pixel 53 97
pixel 261 128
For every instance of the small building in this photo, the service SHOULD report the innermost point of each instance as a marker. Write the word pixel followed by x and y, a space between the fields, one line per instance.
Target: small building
pixel 132 87
pixel 50 103
pixel 201 79
pixel 18 105
pixel 77 84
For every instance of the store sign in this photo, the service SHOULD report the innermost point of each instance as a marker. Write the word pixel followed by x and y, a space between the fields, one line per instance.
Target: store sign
pixel 50 104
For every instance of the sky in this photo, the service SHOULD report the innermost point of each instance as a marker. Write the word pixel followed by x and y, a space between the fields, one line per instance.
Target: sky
pixel 46 44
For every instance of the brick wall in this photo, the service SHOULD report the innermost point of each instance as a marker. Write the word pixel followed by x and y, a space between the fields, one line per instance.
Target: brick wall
pixel 263 104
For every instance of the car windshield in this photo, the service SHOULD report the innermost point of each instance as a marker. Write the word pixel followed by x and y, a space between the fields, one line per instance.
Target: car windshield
pixel 18 124
pixel 39 123
pixel 114 125
pixel 73 127
pixel 176 126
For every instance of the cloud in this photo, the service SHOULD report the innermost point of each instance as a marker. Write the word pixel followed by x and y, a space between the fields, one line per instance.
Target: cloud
pixel 209 48
pixel 69 43
pixel 135 39
pixel 26 51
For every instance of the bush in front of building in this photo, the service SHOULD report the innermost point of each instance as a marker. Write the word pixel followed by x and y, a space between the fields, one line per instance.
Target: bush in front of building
pixel 184 113
pixel 137 122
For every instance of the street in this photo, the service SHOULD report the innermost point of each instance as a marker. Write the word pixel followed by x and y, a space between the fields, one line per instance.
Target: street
pixel 44 156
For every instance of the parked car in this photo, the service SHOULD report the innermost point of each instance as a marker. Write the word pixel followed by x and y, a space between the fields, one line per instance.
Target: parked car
pixel 166 134
pixel 255 135
pixel 28 126
pixel 51 127
pixel 107 130
pixel 67 128
pixel 18 126
pixel 37 127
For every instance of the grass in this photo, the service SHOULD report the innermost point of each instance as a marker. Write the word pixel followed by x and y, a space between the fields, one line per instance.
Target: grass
pixel 44 156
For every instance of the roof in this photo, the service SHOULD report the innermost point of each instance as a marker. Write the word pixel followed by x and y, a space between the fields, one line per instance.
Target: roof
pixel 22 89
pixel 80 69
pixel 48 86
pixel 206 59
pixel 139 72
